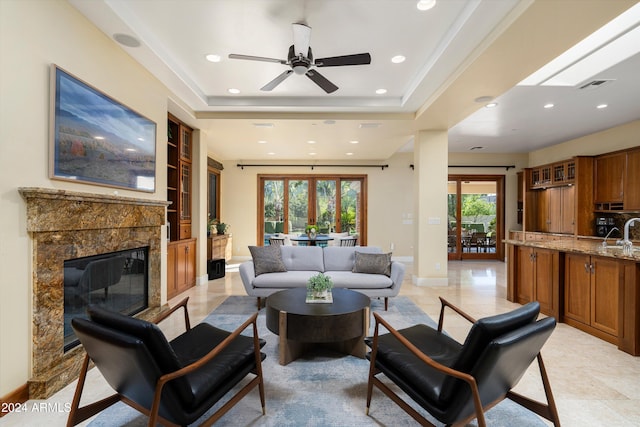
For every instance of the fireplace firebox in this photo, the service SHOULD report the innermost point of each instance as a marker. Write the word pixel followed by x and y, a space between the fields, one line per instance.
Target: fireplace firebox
pixel 116 281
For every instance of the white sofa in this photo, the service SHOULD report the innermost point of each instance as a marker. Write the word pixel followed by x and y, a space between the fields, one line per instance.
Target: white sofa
pixel 302 262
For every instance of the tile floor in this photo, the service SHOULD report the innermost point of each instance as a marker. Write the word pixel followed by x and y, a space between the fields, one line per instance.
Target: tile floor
pixel 594 383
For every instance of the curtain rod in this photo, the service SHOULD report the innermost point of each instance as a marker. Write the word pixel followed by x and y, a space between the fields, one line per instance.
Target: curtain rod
pixel 507 167
pixel 242 166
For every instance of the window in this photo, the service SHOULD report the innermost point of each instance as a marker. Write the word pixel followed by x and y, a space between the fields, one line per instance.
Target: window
pixel 335 204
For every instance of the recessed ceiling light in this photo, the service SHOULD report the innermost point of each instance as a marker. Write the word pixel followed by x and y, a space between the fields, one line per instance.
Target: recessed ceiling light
pixel 311 142
pixel 601 106
pixel 491 105
pixel 262 141
pixel 425 4
pixel 549 105
pixel 233 91
pixel 329 122
pixel 271 153
pixel 126 40
pixel 381 91
pixel 398 59
pixel 354 142
pixel 263 125
pixel 312 154
pixel 349 154
pixel 213 58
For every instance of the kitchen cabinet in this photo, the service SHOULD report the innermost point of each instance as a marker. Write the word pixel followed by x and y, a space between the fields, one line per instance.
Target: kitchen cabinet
pixel 610 171
pixel 632 181
pixel 556 210
pixel 592 287
pixel 537 279
pixel 181 266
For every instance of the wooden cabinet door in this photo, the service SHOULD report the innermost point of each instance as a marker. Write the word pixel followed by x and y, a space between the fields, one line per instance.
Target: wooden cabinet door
pixel 554 215
pixel 542 211
pixel 525 279
pixel 567 210
pixel 172 283
pixel 609 178
pixel 577 288
pixel 190 260
pixel 545 272
pixel 632 181
pixel 605 294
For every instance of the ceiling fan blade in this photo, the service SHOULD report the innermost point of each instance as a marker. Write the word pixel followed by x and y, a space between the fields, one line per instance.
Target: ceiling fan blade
pixel 275 82
pixel 301 39
pixel 336 61
pixel 321 81
pixel 256 58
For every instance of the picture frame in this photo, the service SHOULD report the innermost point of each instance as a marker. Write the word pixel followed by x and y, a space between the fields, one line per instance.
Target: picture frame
pixel 95 139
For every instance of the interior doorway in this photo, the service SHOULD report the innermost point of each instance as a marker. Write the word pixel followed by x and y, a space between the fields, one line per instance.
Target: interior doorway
pixel 475 224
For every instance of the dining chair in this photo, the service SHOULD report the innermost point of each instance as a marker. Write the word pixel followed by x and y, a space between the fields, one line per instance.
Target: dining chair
pixel 348 241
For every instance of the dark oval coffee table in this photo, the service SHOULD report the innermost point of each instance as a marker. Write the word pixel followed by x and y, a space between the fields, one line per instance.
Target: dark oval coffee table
pixel 341 325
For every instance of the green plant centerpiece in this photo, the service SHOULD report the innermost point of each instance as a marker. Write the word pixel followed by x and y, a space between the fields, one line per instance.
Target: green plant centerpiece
pixel 319 288
pixel 311 231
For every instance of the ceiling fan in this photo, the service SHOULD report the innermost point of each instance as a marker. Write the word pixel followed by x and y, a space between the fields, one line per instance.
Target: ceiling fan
pixel 301 61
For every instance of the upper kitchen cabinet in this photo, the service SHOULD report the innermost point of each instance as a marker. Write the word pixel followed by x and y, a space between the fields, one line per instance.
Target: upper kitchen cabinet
pixel 632 181
pixel 610 171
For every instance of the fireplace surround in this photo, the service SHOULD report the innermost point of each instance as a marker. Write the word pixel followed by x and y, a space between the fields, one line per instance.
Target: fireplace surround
pixel 65 225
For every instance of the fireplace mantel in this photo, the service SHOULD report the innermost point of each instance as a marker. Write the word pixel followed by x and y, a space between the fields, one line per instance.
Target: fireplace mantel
pixel 65 225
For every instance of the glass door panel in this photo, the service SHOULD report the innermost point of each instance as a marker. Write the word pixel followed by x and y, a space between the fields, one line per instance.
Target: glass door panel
pixel 475 210
pixel 453 225
pixel 325 217
pixel 298 212
pixel 273 206
pixel 350 201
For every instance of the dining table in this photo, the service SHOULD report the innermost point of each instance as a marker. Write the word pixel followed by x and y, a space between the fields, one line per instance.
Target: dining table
pixel 317 241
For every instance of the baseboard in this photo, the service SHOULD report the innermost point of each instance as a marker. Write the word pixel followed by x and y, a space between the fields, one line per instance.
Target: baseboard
pixel 202 280
pixel 19 395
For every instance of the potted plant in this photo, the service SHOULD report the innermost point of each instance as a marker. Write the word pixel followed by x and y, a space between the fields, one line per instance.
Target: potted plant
pixel 223 228
pixel 311 231
pixel 319 286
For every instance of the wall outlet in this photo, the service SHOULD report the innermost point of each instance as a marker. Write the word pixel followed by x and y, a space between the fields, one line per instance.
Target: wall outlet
pixel 392 246
pixel 437 266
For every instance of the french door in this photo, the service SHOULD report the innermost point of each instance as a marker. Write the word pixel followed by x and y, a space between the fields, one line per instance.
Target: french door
pixel 334 203
pixel 475 217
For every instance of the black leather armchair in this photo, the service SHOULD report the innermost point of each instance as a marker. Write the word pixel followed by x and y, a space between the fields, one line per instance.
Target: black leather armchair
pixel 455 382
pixel 175 382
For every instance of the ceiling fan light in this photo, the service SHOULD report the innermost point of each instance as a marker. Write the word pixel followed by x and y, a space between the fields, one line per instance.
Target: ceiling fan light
pixel 300 69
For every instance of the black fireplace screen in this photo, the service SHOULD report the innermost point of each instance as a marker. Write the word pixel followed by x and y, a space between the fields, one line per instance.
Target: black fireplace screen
pixel 117 281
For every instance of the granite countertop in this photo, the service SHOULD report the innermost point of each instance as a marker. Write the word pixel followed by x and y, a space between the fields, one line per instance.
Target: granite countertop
pixel 592 246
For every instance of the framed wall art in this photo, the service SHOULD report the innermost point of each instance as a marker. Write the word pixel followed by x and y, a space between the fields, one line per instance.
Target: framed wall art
pixel 97 140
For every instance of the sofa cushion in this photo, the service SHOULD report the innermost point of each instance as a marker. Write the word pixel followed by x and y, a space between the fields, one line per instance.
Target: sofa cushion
pixel 342 258
pixel 347 279
pixel 303 258
pixel 290 279
pixel 372 263
pixel 267 259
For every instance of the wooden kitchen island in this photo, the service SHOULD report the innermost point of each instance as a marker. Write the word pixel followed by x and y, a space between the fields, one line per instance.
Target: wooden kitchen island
pixel 580 283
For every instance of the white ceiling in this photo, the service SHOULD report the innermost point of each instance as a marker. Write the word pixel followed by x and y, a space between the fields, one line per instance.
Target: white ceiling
pixel 176 35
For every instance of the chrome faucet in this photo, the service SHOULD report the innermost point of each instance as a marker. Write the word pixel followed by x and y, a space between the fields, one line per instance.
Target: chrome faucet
pixel 604 241
pixel 627 245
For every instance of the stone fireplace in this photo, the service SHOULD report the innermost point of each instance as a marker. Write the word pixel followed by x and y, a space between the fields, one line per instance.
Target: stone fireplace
pixel 66 225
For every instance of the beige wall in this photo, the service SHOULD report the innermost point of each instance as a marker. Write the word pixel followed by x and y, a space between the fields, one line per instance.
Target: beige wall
pixel 389 191
pixel 617 138
pixel 33 35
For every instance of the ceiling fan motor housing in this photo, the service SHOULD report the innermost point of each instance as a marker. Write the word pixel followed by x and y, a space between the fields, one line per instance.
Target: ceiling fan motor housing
pixel 299 64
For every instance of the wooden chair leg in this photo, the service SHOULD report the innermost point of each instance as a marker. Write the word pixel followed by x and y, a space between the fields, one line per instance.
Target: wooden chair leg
pixel 77 414
pixel 259 303
pixel 386 303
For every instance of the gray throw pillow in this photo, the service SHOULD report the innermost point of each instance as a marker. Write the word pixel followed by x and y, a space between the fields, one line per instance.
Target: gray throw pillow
pixel 267 259
pixel 372 263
